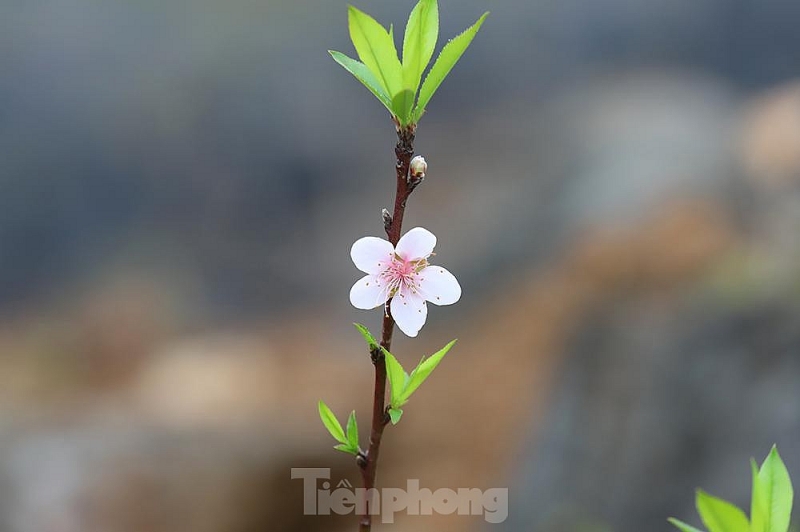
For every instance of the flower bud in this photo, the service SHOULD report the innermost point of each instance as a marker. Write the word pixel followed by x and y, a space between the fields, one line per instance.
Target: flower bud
pixel 418 167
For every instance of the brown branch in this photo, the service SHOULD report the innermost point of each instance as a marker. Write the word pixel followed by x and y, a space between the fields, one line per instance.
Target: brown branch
pixel 368 462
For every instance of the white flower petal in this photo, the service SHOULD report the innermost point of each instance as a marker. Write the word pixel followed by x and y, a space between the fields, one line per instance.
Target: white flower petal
pixel 368 292
pixel 416 244
pixel 370 254
pixel 409 312
pixel 438 285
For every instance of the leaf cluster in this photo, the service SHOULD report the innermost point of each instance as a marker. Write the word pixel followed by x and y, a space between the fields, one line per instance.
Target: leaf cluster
pixel 396 83
pixel 770 505
pixel 401 383
pixel 347 438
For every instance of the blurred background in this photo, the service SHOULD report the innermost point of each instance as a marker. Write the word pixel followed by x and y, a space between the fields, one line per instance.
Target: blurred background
pixel 616 185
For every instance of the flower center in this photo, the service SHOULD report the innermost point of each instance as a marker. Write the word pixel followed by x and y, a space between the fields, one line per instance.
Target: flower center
pixel 401 275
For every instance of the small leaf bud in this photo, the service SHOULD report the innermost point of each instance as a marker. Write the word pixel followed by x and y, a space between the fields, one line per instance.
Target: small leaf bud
pixel 387 219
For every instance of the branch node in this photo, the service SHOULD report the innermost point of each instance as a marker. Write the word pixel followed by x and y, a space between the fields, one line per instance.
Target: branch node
pixel 361 459
pixel 387 219
pixel 376 354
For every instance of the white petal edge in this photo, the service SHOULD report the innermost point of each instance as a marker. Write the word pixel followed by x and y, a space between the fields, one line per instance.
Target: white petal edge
pixel 370 254
pixel 368 293
pixel 439 286
pixel 409 313
pixel 416 244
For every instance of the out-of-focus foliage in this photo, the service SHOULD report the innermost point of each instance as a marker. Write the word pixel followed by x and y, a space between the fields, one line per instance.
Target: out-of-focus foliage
pixel 770 504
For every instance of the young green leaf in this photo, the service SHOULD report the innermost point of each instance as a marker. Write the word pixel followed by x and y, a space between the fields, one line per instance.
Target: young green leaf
pixel 448 57
pixel 402 103
pixel 758 503
pixel 352 430
pixel 376 49
pixel 683 526
pixel 365 76
pixel 371 341
pixel 346 448
pixel 397 378
pixel 331 423
pixel 394 415
pixel 719 515
pixel 419 41
pixel 423 371
pixel 774 493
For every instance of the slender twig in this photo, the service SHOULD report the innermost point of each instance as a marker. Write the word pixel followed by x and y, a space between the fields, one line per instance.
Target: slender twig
pixel 380 418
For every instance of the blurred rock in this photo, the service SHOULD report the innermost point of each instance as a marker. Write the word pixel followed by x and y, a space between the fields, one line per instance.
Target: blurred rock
pixel 128 477
pixel 771 139
pixel 657 396
pixel 224 382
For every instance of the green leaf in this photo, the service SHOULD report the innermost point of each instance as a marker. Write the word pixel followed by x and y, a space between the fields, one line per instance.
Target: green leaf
pixel 719 515
pixel 376 49
pixel 423 371
pixel 331 423
pixel 774 494
pixel 683 526
pixel 346 448
pixel 397 378
pixel 371 341
pixel 394 415
pixel 448 57
pixel 352 430
pixel 419 41
pixel 402 103
pixel 758 503
pixel 365 76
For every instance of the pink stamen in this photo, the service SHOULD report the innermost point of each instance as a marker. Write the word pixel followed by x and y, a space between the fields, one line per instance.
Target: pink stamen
pixel 399 275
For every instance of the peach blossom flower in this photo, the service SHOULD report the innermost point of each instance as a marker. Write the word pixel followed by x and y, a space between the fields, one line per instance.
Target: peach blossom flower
pixel 403 275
